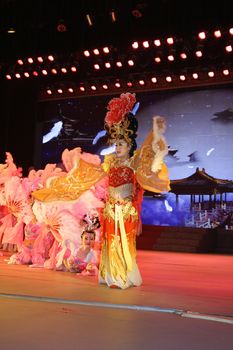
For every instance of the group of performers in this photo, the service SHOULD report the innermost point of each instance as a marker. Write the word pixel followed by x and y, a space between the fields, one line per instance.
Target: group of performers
pixel 86 219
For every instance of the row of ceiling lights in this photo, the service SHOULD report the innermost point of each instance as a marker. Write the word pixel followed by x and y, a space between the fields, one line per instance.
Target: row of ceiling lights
pixel 139 82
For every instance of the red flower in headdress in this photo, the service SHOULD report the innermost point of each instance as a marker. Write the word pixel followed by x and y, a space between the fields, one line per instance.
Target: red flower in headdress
pixel 119 107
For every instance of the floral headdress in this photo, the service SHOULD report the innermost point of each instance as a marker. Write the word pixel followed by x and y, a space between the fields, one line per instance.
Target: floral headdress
pixel 119 122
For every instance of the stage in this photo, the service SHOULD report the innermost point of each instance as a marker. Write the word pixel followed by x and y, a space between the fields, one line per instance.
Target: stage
pixel 185 302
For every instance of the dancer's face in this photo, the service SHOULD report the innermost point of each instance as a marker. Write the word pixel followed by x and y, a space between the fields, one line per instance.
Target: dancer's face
pixel 122 149
pixel 88 239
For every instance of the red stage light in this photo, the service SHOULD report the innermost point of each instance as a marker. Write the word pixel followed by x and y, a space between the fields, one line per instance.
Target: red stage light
pixel 154 80
pixel 217 33
pixel 231 31
pixel 211 74
pixel 118 85
pixel 54 71
pixel 51 58
pixel 17 75
pixel 169 79
pixel 199 53
pixel 170 41
pixel 106 49
pixel 93 87
pixel 35 73
pixel 228 48
pixel 171 58
pixel 73 69
pixel 8 76
pixel 183 55
pixel 44 71
pixel 40 59
pixel 141 82
pixel 105 86
pixel 157 59
pixel 195 76
pixel 71 90
pixel 96 66
pixel 202 35
pixel 107 65
pixel 182 77
pixel 20 62
pixel 82 88
pixel 135 45
pixel 131 63
pixel 64 70
pixel 129 84
pixel 86 53
pixel 60 91
pixel 119 64
pixel 49 92
pixel 26 74
pixel 96 51
pixel 226 72
pixel 157 42
pixel 146 44
pixel 30 60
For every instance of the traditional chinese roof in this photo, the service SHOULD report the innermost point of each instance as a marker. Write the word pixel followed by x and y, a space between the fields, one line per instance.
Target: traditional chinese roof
pixel 201 183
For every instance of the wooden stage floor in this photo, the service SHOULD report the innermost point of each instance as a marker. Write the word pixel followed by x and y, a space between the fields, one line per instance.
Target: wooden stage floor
pixel 185 302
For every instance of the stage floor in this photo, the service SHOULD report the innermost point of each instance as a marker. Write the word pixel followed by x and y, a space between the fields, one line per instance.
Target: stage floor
pixel 186 301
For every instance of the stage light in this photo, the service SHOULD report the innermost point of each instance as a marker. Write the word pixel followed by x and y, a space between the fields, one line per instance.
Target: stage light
pixel 117 84
pixel 129 84
pixel 40 59
pixel 73 69
pixel 157 42
pixel 183 55
pixel 217 33
pixel 107 65
pixel 170 41
pixel 30 60
pixel 26 74
pixel 89 20
pixel 106 50
pixel 195 76
pixel 169 79
pixel 82 88
pixel 202 35
pixel 154 80
pixel 226 72
pixel 105 86
pixel 96 66
pixel 60 91
pixel 135 45
pixel 157 59
pixel 64 70
pixel 71 90
pixel 11 31
pixel 231 31
pixel 35 73
pixel 86 53
pixel 17 75
pixel 96 52
pixel 131 63
pixel 51 58
pixel 44 71
pixel 93 87
pixel 119 64
pixel 49 92
pixel 182 77
pixel 8 76
pixel 228 48
pixel 113 16
pixel 170 58
pixel 20 62
pixel 199 53
pixel 141 82
pixel 54 71
pixel 211 74
pixel 61 27
pixel 146 44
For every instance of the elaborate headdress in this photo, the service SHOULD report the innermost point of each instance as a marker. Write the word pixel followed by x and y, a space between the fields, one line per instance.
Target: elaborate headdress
pixel 119 122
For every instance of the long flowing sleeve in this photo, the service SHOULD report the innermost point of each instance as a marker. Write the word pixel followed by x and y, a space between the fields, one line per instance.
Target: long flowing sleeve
pixel 148 161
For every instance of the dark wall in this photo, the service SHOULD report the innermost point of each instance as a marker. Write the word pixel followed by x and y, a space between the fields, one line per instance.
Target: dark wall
pixel 18 105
